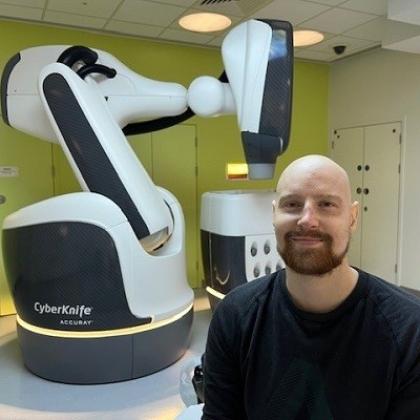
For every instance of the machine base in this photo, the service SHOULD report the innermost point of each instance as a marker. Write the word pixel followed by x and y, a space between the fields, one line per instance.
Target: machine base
pixel 107 359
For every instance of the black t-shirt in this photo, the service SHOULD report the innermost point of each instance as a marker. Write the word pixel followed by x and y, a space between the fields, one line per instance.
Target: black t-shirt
pixel 266 359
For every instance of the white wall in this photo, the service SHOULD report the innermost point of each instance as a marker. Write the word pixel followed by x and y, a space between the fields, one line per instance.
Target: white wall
pixel 383 86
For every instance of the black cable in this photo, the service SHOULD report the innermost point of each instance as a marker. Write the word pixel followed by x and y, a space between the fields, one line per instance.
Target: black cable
pixel 77 53
pixel 96 68
pixel 158 124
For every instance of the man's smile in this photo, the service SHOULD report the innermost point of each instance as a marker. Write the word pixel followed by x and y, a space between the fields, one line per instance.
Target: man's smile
pixel 306 240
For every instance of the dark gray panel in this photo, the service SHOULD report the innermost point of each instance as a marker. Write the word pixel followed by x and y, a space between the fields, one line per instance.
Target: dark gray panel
pixel 205 255
pixel 157 349
pixel 227 255
pixel 108 359
pixel 87 151
pixel 77 361
pixel 277 101
pixel 4 83
pixel 67 265
pixel 273 134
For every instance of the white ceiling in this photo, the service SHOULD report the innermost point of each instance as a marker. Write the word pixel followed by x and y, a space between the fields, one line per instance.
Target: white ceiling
pixel 358 24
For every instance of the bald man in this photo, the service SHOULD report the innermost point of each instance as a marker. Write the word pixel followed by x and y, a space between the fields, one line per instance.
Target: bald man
pixel 319 340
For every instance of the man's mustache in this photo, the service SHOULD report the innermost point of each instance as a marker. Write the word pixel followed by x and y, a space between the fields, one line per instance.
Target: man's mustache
pixel 308 234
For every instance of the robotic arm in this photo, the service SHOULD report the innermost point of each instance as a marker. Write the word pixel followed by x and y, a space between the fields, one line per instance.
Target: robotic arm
pixel 256 85
pixel 96 88
pixel 258 60
pixel 101 91
pixel 82 106
pixel 99 292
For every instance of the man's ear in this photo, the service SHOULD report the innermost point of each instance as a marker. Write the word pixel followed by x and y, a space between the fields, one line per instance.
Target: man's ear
pixel 355 207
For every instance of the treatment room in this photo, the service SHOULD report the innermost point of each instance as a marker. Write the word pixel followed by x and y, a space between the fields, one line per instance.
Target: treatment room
pixel 208 209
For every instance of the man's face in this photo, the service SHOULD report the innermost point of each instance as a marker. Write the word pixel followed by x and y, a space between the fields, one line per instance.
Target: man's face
pixel 314 220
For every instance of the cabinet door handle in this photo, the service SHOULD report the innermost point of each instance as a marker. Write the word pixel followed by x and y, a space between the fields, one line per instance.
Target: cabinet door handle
pixel 359 167
pixel 366 191
pixel 365 208
pixel 2 199
pixel 367 167
pixel 358 190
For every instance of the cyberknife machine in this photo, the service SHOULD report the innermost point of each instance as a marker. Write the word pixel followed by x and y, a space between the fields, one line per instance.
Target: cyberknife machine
pixel 99 277
pixel 238 243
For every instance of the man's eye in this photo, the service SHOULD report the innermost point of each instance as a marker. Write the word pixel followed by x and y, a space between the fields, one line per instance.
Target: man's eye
pixel 292 205
pixel 327 204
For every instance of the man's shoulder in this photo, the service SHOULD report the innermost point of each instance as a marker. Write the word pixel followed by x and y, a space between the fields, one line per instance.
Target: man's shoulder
pixel 388 296
pixel 247 295
pixel 399 314
pixel 398 308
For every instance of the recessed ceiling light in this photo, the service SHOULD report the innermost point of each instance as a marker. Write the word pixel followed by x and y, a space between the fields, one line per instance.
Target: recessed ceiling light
pixel 205 22
pixel 304 38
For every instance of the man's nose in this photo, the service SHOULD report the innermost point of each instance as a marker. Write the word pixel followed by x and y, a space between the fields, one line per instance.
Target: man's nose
pixel 309 217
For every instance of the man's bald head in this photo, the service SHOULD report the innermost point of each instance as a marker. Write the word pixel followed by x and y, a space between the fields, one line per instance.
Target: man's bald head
pixel 313 168
pixel 314 217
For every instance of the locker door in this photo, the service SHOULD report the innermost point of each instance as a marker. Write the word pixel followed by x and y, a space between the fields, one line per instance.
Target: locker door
pixel 381 198
pixel 347 151
pixel 174 168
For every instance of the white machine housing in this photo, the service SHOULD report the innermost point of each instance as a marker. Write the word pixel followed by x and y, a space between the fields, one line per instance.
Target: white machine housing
pixel 99 277
pixel 238 240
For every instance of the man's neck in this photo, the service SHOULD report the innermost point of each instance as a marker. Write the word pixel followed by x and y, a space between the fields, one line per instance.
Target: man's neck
pixel 321 294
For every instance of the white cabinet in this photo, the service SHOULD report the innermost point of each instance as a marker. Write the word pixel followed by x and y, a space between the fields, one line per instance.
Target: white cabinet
pixel 371 157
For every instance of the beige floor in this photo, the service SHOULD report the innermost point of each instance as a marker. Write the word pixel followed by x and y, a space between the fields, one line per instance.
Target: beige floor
pixel 24 396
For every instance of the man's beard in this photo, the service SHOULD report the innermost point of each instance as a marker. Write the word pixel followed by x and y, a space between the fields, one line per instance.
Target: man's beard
pixel 311 261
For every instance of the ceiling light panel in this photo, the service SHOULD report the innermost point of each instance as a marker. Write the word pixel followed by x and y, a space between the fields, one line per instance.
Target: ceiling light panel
pixel 186 36
pixel 384 30
pixel 20 12
pixel 337 21
pixel 371 31
pixel 140 11
pixel 377 7
pixel 74 20
pixel 327 35
pixel 185 3
pixel 205 22
pixel 96 8
pixel 135 29
pixel 27 3
pixel 235 19
pixel 329 2
pixel 294 11
pixel 303 38
pixel 239 8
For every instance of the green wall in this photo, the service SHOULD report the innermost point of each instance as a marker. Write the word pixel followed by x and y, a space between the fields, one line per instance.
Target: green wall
pixel 218 139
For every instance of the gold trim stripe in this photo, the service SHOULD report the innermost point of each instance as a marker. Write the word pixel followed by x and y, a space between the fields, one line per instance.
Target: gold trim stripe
pixel 104 333
pixel 215 292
